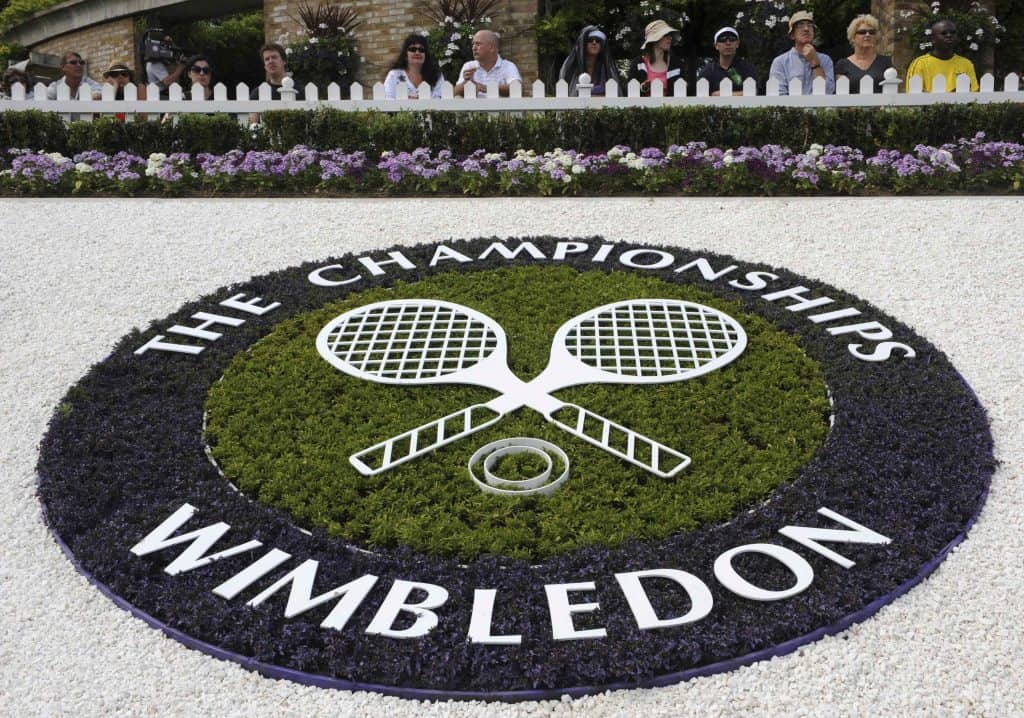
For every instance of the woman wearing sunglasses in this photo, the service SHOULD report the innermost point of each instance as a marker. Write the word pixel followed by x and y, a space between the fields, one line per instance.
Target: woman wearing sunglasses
pixel 200 74
pixel 590 55
pixel 413 65
pixel 865 60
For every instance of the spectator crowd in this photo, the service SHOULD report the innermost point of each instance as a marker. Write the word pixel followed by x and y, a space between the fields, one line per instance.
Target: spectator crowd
pixel 591 55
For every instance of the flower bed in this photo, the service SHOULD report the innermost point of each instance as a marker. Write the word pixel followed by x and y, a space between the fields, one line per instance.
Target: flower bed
pixel 969 165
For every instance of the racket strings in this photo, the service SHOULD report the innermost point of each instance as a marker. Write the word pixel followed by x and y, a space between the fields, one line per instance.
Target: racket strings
pixel 653 339
pixel 411 341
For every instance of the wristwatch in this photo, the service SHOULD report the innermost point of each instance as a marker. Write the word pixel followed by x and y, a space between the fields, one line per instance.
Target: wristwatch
pixel 815 67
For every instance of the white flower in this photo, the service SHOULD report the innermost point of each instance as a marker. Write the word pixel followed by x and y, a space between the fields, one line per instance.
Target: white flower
pixel 567 178
pixel 456 36
pixel 578 169
pixel 928 31
pixel 322 26
pixel 288 51
pixel 83 167
pixel 979 32
pixel 58 157
pixel 157 158
pixel 452 46
pixel 447 19
pixel 925 45
pixel 974 47
pixel 312 41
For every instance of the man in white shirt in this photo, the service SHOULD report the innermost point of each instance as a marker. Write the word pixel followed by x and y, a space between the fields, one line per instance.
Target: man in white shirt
pixel 73 67
pixel 803 60
pixel 488 66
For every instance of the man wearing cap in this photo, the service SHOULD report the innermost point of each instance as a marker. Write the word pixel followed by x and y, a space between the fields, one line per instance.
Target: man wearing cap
pixel 728 66
pixel 486 66
pixel 658 62
pixel 803 60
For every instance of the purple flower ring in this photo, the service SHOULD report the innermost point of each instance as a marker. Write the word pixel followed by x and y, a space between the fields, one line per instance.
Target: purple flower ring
pixel 132 498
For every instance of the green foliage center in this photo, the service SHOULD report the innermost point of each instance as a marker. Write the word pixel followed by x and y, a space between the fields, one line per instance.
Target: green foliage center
pixel 283 422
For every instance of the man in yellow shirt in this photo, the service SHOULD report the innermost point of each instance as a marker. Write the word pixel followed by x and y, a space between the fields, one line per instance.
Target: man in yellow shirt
pixel 943 60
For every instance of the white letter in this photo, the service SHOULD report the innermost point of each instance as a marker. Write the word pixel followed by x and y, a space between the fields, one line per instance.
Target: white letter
pixel 646 618
pixel 561 611
pixel 202 540
pixel 480 621
pixel 728 577
pixel 602 253
pixel 809 537
pixel 316 277
pixel 836 314
pixel 507 253
pixel 395 603
pixel 872 331
pixel 157 343
pixel 396 258
pixel 442 252
pixel 250 306
pixel 802 303
pixel 301 599
pixel 208 320
pixel 755 281
pixel 629 259
pixel 881 352
pixel 564 248
pixel 251 574
pixel 705 269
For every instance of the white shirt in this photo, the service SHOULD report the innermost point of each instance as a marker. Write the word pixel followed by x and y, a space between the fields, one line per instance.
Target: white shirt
pixel 95 87
pixel 503 72
pixel 396 76
pixel 156 72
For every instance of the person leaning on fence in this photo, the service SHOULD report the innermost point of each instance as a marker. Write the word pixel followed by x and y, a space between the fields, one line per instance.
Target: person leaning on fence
pixel 943 60
pixel 589 55
pixel 803 61
pixel 727 66
pixel 200 74
pixel 414 64
pixel 275 65
pixel 658 62
pixel 865 60
pixel 486 66
pixel 73 67
pixel 12 76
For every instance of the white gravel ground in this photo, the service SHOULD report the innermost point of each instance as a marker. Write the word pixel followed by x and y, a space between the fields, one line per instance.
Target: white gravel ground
pixel 75 275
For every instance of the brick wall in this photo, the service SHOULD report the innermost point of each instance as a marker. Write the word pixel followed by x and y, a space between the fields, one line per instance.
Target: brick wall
pixel 385 23
pixel 99 46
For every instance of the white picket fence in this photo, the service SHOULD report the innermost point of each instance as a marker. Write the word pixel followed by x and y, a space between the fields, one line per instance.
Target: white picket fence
pixel 243 108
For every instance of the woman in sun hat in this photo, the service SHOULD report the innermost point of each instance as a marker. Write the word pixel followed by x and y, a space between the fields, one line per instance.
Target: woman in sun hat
pixel 658 62
pixel 590 55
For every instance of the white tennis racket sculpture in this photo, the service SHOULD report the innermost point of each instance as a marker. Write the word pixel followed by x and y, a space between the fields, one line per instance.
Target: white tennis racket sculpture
pixel 426 341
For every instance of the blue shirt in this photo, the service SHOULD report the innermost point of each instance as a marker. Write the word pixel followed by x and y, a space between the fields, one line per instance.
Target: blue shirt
pixel 792 64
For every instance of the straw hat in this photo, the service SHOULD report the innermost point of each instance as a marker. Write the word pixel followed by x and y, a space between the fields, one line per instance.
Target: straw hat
pixel 800 17
pixel 657 30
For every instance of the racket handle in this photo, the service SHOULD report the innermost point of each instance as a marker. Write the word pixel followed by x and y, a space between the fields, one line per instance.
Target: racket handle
pixel 423 439
pixel 618 440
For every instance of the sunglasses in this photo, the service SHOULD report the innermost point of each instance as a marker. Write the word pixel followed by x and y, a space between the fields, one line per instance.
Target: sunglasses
pixel 947 32
pixel 728 38
pixel 867 32
pixel 417 48
pixel 598 40
pixel 200 69
pixel 74 62
pixel 118 73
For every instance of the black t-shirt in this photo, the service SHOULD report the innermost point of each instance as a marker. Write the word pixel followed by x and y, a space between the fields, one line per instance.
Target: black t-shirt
pixel 876 71
pixel 275 92
pixel 739 71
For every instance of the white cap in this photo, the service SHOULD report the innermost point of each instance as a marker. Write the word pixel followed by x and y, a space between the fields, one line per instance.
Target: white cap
pixel 725 30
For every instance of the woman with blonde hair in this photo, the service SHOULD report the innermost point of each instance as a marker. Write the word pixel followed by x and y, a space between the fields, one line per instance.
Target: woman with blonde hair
pixel 865 61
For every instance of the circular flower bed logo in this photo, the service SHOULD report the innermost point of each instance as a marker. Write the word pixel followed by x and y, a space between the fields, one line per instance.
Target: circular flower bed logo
pixel 514 469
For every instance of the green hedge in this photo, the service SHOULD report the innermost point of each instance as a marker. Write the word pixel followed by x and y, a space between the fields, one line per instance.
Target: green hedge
pixel 868 129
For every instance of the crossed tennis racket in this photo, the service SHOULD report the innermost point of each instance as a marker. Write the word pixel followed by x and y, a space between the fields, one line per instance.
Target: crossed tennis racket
pixel 425 341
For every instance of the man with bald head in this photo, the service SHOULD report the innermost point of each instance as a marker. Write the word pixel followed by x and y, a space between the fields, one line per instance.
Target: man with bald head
pixel 487 66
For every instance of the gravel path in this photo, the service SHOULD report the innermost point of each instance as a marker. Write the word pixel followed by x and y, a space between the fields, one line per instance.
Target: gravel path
pixel 75 275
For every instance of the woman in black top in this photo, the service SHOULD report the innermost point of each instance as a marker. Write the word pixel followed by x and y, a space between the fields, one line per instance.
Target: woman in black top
pixel 865 60
pixel 590 55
